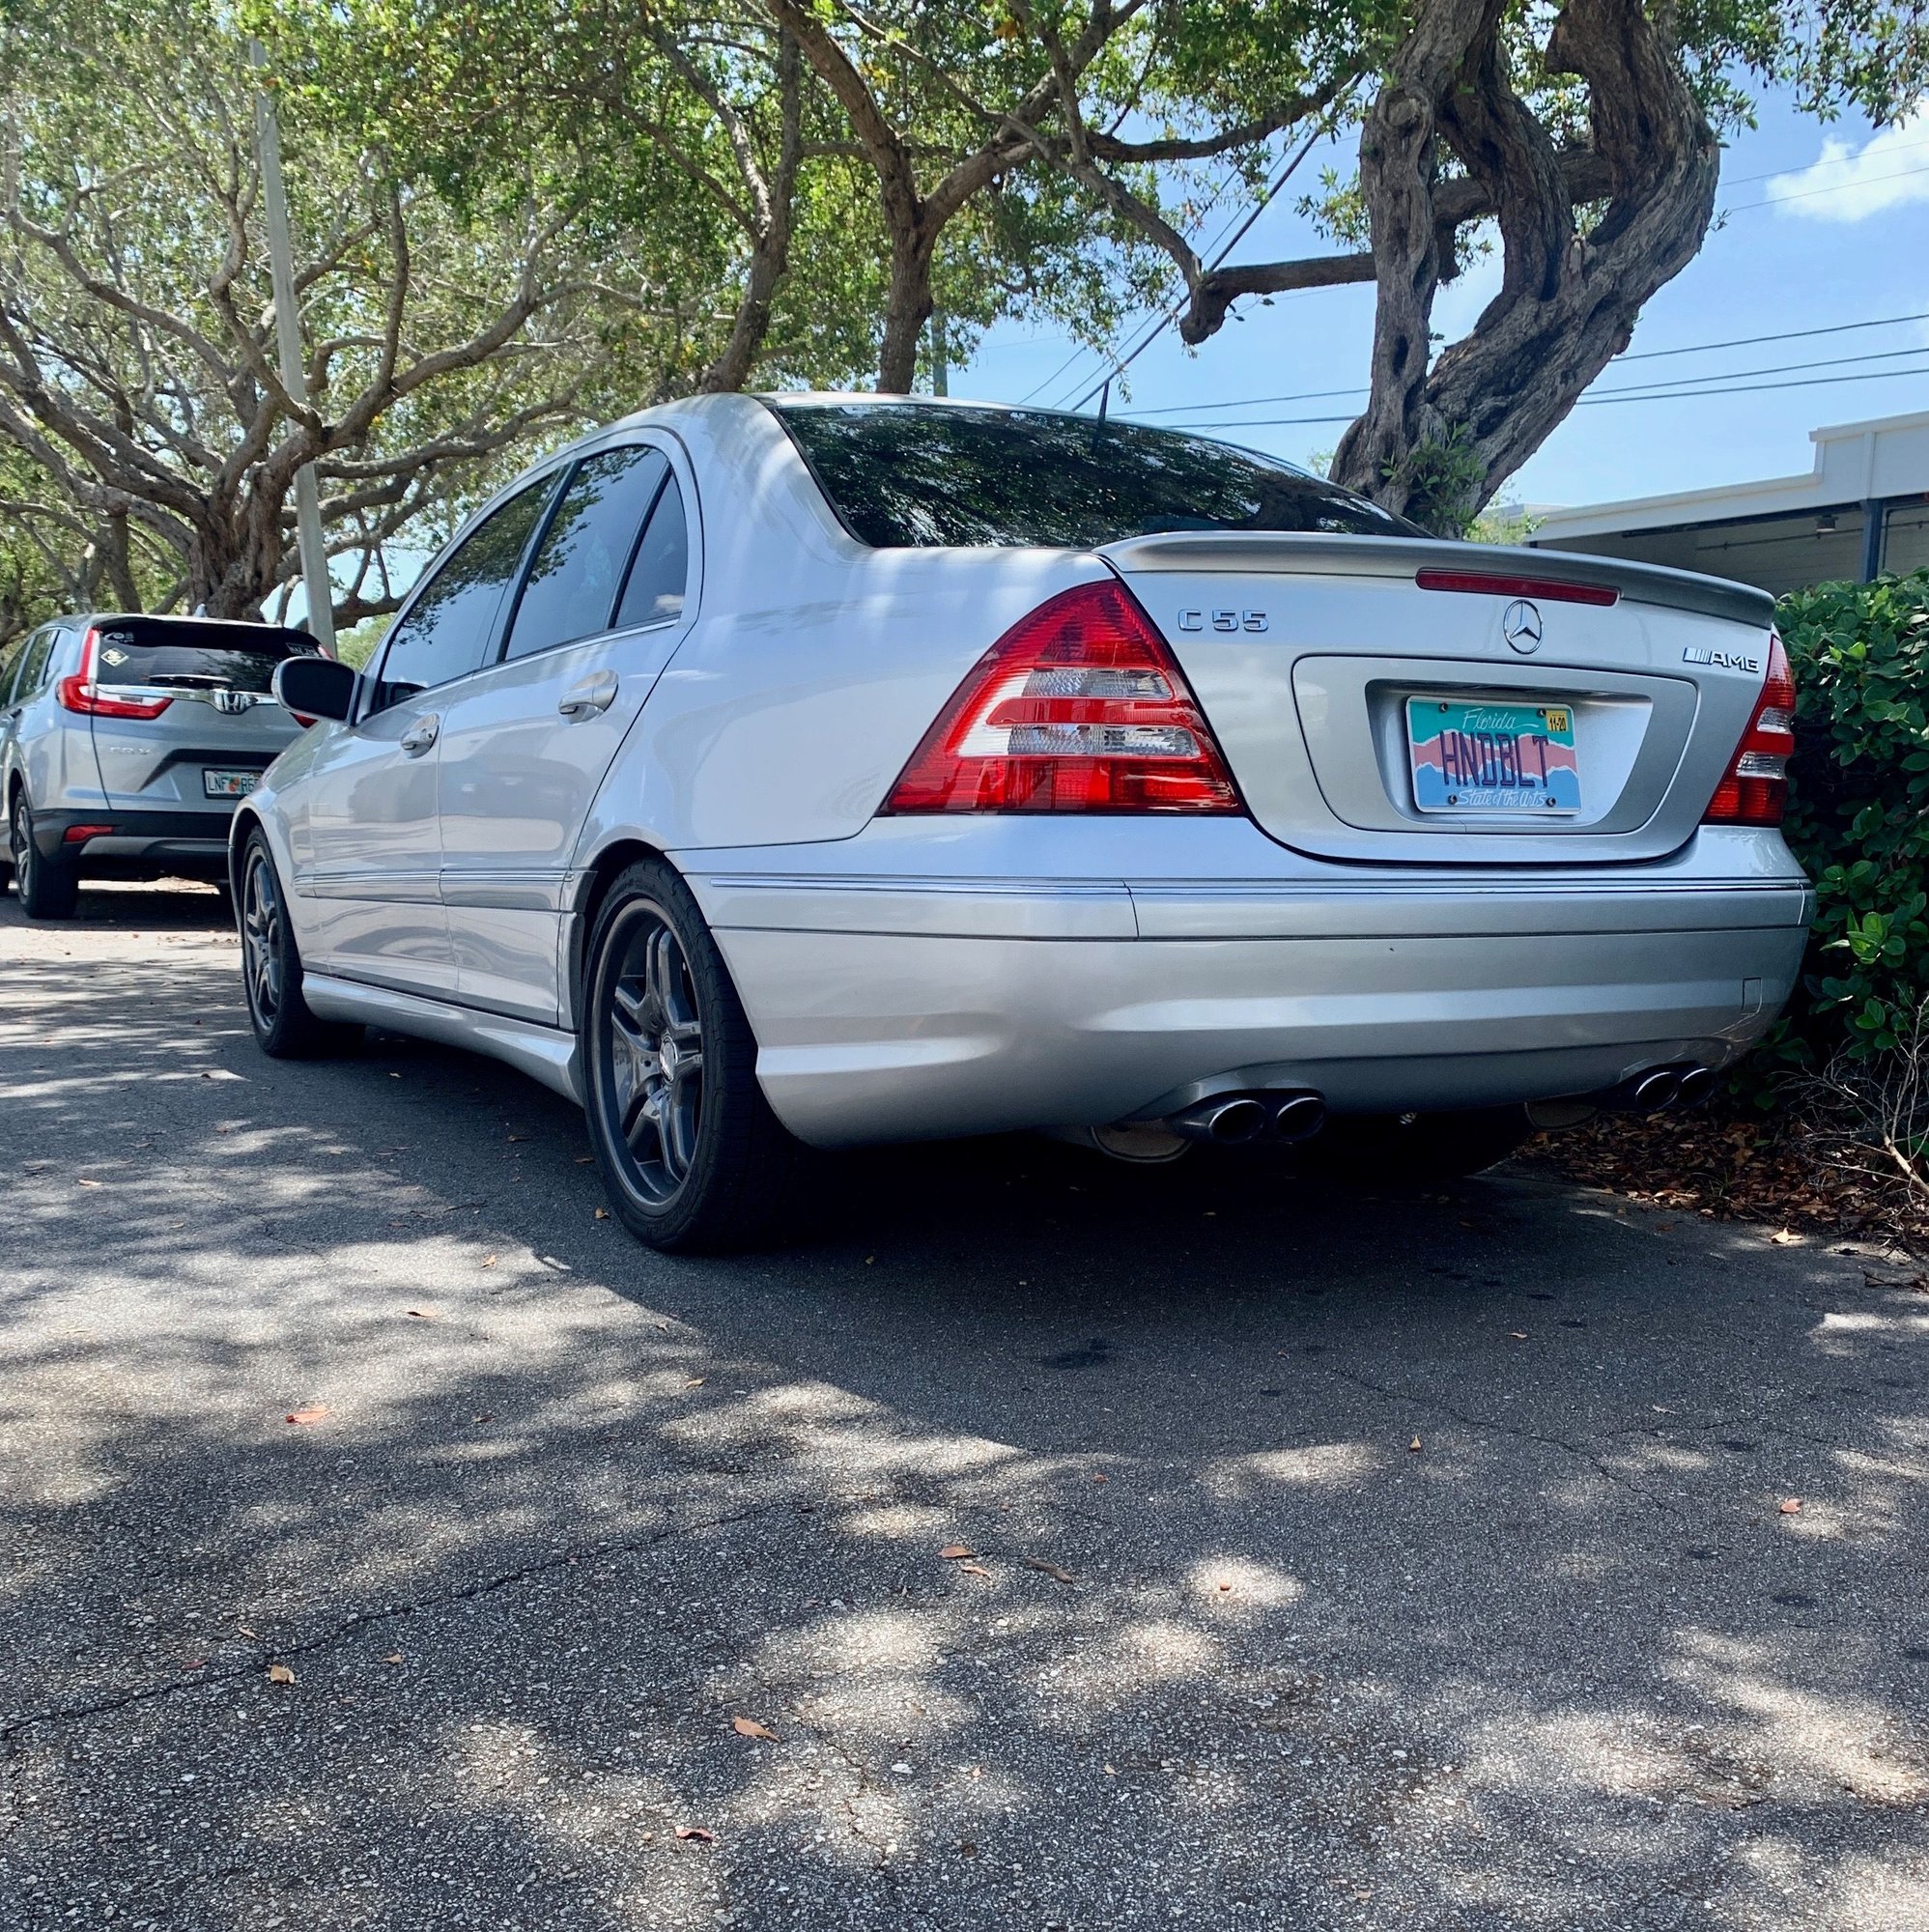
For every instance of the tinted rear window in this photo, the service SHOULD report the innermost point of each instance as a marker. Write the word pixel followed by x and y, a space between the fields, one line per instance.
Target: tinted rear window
pixel 902 476
pixel 203 657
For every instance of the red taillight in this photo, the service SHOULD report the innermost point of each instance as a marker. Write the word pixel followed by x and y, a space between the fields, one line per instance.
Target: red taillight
pixel 80 834
pixel 79 692
pixel 1755 790
pixel 1078 707
pixel 1485 583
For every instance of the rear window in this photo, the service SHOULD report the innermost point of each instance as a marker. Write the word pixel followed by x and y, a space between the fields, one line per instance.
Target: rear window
pixel 191 655
pixel 905 475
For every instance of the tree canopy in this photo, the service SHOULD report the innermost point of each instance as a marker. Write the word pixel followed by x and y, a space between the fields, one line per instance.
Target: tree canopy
pixel 516 216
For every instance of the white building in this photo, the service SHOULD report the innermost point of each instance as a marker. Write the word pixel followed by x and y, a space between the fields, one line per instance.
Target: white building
pixel 1862 511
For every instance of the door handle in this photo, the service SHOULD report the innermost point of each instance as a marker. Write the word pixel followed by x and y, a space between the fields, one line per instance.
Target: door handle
pixel 596 693
pixel 420 735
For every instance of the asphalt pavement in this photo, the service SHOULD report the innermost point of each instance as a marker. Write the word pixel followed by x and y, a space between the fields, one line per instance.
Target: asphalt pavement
pixel 386 1540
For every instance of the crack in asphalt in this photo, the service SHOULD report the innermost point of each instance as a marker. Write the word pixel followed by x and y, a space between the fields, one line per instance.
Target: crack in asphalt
pixel 484 1586
pixel 1459 1415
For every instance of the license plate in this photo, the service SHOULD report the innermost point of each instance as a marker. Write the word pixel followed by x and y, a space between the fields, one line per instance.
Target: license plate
pixel 229 784
pixel 1492 757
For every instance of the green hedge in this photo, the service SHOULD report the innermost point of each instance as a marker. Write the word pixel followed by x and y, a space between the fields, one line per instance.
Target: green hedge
pixel 1858 810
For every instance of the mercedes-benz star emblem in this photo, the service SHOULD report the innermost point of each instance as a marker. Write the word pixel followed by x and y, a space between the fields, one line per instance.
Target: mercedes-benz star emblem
pixel 1520 626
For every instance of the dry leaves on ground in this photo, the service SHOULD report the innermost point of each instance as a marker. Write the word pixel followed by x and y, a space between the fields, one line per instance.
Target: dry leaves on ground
pixel 748 1727
pixel 1791 1506
pixel 315 1411
pixel 279 1673
pixel 1050 1570
pixel 953 1552
pixel 697 1831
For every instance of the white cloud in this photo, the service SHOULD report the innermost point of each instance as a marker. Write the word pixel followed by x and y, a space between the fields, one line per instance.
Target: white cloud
pixel 1850 182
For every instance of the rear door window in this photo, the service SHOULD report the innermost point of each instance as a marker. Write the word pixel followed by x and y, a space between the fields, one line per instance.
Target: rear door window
pixel 571 590
pixel 905 475
pixel 450 628
pixel 658 577
pixel 33 674
pixel 183 655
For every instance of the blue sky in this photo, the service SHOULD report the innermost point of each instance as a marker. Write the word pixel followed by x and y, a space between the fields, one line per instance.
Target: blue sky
pixel 1819 226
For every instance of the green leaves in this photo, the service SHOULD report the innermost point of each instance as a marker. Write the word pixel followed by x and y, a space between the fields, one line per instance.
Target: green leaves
pixel 1858 815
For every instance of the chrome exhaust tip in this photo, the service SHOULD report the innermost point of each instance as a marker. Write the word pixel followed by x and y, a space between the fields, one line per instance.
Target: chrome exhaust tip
pixel 1298 1116
pixel 1652 1091
pixel 1695 1085
pixel 1227 1120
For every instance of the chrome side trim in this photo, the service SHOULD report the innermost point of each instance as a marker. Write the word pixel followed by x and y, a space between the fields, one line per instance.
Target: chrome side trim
pixel 544 1053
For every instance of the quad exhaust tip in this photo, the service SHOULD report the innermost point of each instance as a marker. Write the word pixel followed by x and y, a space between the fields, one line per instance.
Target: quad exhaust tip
pixel 1232 1119
pixel 1655 1087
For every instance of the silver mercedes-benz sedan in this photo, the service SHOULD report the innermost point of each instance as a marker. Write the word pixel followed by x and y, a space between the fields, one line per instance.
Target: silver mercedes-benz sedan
pixel 806 771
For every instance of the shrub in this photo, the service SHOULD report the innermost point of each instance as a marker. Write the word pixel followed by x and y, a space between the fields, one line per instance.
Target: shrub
pixel 1859 813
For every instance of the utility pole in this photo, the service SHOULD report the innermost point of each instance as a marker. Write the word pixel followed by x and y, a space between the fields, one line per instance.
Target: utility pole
pixel 941 361
pixel 294 378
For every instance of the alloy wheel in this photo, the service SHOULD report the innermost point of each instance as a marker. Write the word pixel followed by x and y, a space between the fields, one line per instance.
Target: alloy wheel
pixel 653 1039
pixel 261 937
pixel 20 843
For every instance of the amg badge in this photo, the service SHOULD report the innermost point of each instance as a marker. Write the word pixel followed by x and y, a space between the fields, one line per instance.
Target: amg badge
pixel 1722 660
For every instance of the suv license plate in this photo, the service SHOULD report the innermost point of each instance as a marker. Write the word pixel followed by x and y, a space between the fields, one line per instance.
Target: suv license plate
pixel 229 784
pixel 1492 757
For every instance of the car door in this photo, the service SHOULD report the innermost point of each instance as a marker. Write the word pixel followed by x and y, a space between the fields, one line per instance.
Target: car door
pixel 526 742
pixel 363 823
pixel 11 664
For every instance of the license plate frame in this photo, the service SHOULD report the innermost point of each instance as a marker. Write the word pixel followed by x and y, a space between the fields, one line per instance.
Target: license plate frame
pixel 227 783
pixel 1483 758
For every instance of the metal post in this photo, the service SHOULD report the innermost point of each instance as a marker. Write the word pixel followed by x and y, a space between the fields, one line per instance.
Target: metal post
pixel 1874 513
pixel 293 377
pixel 940 362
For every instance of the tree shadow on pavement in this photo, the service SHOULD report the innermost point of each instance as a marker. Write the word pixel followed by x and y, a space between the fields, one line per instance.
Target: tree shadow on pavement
pixel 1328 1560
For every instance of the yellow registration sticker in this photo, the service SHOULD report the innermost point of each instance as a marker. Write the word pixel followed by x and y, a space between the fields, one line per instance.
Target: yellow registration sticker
pixel 1557 720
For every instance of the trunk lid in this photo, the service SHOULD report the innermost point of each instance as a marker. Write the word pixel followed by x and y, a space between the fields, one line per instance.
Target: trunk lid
pixel 1306 651
pixel 220 728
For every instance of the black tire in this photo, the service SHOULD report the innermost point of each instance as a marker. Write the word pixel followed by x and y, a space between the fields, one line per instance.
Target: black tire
pixel 693 1157
pixel 285 1025
pixel 47 888
pixel 1409 1148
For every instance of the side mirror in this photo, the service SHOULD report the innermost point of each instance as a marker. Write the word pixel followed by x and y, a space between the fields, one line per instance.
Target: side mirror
pixel 312 688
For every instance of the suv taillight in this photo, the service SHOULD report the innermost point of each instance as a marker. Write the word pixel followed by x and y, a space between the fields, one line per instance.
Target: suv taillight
pixel 79 692
pixel 1079 707
pixel 1755 790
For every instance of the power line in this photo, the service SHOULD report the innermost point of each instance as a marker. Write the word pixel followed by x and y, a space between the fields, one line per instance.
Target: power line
pixel 1838 162
pixel 1196 410
pixel 1810 193
pixel 1630 395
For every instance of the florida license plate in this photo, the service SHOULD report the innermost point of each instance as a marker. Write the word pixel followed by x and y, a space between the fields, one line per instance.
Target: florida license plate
pixel 1492 757
pixel 229 784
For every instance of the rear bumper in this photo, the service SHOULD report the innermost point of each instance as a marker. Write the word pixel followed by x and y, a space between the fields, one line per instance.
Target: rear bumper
pixel 890 1007
pixel 191 842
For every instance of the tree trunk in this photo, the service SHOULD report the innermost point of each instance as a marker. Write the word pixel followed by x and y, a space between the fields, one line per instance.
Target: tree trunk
pixel 1436 443
pixel 907 307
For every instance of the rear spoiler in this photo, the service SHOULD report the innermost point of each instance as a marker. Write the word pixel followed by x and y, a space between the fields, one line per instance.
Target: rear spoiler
pixel 1277 552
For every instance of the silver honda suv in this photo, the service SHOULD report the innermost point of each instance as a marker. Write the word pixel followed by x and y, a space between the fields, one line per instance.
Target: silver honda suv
pixel 124 742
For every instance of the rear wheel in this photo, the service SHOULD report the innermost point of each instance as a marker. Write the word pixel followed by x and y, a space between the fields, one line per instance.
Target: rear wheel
pixel 285 1025
pixel 693 1158
pixel 1416 1147
pixel 48 888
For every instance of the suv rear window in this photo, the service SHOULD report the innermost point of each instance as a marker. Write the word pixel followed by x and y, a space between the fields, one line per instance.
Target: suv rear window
pixel 906 475
pixel 194 655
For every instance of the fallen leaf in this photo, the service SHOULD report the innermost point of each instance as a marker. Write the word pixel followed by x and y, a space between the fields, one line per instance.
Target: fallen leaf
pixel 279 1673
pixel 316 1411
pixel 973 1570
pixel 519 1137
pixel 1782 1238
pixel 491 1261
pixel 697 1833
pixel 423 1314
pixel 1414 1446
pixel 603 1213
pixel 748 1727
pixel 1099 1476
pixel 242 1629
pixel 83 1182
pixel 1050 1570
pixel 196 1663
pixel 585 1160
pixel 1791 1506
pixel 394 1656
pixel 951 1552
pixel 1516 1334
pixel 696 1381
